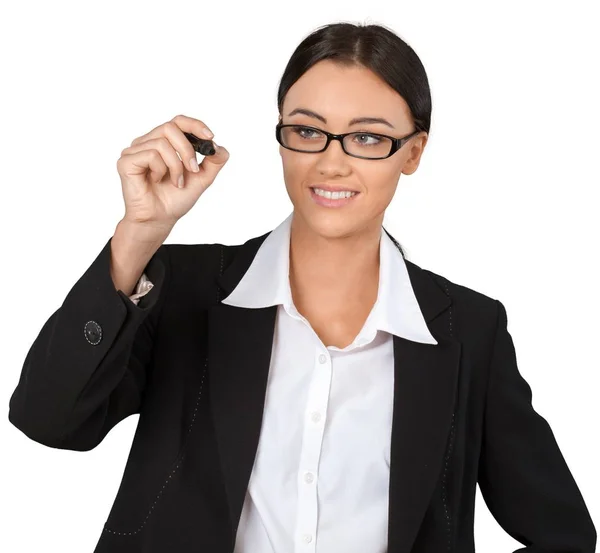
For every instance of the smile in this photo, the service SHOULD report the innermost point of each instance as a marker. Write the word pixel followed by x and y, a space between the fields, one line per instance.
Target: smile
pixel 325 199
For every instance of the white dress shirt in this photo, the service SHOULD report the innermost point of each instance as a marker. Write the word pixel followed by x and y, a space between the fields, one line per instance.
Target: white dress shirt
pixel 320 480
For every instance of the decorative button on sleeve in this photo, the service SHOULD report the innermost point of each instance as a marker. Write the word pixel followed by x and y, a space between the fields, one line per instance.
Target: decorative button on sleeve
pixel 142 288
pixel 93 332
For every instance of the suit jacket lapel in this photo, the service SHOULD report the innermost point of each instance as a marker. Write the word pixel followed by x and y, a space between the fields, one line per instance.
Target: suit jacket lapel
pixel 425 383
pixel 239 356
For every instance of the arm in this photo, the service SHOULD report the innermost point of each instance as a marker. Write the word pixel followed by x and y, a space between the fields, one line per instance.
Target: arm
pixel 72 391
pixel 523 476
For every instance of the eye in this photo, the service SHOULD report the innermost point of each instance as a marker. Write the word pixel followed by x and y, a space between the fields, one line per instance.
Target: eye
pixel 376 139
pixel 304 132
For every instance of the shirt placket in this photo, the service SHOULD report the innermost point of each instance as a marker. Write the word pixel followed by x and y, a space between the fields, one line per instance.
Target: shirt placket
pixel 315 417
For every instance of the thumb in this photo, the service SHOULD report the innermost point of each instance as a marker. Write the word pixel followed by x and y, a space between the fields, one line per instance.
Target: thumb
pixel 209 168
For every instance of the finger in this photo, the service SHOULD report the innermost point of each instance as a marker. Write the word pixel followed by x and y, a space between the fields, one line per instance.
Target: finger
pixel 138 163
pixel 180 144
pixel 167 152
pixel 195 126
pixel 173 130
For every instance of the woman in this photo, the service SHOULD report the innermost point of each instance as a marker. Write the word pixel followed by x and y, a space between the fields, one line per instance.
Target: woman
pixel 310 389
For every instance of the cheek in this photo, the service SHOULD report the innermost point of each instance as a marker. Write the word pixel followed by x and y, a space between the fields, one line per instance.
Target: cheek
pixel 382 180
pixel 295 168
pixel 379 189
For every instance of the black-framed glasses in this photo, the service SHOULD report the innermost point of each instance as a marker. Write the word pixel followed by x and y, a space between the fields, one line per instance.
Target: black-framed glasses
pixel 361 144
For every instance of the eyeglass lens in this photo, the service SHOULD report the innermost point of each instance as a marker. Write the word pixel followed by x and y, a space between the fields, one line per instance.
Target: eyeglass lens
pixel 360 144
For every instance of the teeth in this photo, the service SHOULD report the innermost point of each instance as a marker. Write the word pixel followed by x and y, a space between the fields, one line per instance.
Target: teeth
pixel 333 195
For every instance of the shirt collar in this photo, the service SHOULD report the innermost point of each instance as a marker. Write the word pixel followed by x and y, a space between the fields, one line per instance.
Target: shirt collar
pixel 396 310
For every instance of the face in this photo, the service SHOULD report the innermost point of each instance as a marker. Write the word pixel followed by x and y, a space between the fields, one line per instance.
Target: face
pixel 339 94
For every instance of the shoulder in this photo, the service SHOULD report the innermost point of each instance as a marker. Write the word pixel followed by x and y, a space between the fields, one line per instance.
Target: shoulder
pixel 195 269
pixel 458 290
pixel 473 312
pixel 212 258
pixel 198 262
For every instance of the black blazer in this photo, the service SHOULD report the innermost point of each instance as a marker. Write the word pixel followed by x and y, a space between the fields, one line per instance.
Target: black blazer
pixel 196 372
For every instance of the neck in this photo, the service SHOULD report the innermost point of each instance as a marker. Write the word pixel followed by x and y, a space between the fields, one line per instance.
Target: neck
pixel 334 271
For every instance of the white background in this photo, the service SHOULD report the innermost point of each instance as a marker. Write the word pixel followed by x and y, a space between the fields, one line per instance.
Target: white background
pixel 505 200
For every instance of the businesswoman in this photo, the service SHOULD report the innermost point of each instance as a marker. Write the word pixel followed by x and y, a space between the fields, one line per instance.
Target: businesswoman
pixel 309 390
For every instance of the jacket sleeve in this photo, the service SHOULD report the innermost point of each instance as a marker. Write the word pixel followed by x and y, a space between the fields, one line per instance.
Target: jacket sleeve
pixel 87 369
pixel 523 476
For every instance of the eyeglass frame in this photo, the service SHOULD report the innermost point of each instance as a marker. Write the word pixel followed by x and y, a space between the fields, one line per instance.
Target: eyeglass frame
pixel 397 143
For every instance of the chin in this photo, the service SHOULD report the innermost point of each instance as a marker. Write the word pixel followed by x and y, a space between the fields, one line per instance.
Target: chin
pixel 328 223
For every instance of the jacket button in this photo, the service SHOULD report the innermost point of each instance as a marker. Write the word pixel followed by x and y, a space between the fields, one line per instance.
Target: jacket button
pixel 93 332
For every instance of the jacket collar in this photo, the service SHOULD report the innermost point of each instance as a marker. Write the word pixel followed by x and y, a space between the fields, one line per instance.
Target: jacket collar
pixel 266 283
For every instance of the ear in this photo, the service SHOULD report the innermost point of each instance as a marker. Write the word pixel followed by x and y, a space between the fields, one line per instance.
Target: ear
pixel 412 162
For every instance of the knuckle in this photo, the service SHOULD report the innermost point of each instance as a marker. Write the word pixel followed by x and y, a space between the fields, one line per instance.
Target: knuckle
pixel 171 126
pixel 155 154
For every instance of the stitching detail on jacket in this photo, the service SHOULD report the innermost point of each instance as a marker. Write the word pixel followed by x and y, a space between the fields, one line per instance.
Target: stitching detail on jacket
pixel 220 273
pixel 444 489
pixel 448 453
pixel 178 461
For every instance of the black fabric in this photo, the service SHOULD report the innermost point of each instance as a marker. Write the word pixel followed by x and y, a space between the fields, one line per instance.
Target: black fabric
pixel 195 370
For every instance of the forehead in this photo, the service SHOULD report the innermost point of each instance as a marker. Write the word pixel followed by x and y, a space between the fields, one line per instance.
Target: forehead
pixel 342 92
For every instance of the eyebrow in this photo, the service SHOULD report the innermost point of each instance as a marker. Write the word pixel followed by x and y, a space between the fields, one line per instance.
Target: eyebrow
pixel 354 121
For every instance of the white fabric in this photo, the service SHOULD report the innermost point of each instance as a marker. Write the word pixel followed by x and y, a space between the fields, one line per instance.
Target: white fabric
pixel 320 482
pixel 142 287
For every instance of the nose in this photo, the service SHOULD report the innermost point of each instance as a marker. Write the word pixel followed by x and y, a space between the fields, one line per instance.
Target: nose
pixel 333 161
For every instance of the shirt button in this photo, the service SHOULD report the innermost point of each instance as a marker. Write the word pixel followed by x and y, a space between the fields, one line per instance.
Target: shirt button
pixel 307 538
pixel 316 417
pixel 309 477
pixel 322 358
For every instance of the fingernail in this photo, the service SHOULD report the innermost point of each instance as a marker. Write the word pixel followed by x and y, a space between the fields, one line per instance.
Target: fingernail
pixel 194 165
pixel 180 181
pixel 208 132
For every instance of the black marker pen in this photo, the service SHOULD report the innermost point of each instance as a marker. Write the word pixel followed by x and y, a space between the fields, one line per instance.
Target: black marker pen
pixel 201 145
